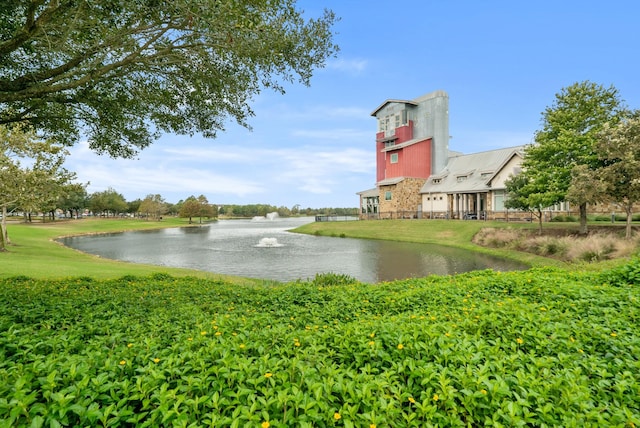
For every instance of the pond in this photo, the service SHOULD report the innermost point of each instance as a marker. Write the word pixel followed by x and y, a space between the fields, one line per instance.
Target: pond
pixel 263 248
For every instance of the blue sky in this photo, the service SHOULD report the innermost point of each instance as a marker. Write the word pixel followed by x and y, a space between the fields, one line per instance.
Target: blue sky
pixel 501 62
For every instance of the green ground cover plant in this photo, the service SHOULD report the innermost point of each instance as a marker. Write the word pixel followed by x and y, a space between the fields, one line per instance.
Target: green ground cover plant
pixel 544 347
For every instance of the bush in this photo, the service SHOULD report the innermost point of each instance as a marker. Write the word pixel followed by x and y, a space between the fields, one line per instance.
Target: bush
pixel 628 274
pixel 328 279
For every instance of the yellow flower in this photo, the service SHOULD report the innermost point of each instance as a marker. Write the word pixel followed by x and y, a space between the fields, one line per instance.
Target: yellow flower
pixel 190 338
pixel 337 416
pixel 123 362
pixel 242 346
pixel 129 345
pixel 435 397
pixel 614 334
pixel 483 391
pixel 520 341
pixel 268 375
pixel 543 308
pixel 202 333
pixel 400 346
pixel 265 424
pixel 412 400
pixel 372 425
pixel 218 333
pixel 371 343
pixel 372 335
pixel 296 344
pixel 156 360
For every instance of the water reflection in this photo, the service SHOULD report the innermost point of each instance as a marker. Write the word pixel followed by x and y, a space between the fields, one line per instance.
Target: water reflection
pixel 234 247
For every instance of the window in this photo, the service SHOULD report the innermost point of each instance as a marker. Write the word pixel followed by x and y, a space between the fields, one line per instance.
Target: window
pixel 462 178
pixel 387 196
pixel 436 180
pixel 498 201
pixel 394 158
pixel 389 143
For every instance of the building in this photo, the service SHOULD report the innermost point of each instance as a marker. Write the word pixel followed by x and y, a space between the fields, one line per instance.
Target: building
pixel 418 177
pixel 412 142
pixel 471 186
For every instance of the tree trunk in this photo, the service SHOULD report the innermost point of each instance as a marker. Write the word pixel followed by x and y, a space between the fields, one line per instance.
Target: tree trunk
pixel 4 236
pixel 629 211
pixel 539 215
pixel 583 219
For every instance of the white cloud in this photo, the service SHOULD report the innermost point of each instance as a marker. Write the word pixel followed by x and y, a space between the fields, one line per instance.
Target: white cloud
pixel 333 134
pixel 352 66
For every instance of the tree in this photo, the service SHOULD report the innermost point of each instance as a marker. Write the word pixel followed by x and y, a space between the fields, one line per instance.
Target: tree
pixel 197 207
pixel 152 205
pixel 74 199
pixel 190 208
pixel 526 194
pixel 34 186
pixel 570 128
pixel 619 149
pixel 106 202
pixel 125 71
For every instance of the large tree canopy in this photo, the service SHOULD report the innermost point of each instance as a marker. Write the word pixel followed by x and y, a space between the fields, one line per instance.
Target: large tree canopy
pixel 619 149
pixel 570 129
pixel 121 72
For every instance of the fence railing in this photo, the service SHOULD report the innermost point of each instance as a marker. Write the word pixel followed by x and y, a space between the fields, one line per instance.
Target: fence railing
pixel 447 215
pixel 336 218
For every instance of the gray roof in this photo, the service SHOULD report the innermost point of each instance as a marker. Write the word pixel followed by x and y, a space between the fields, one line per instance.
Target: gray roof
pixel 477 168
pixel 368 193
pixel 414 102
pixel 390 181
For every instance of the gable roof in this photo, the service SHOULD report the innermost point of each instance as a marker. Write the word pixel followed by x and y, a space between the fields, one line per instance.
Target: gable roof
pixel 471 173
pixel 384 104
pixel 414 102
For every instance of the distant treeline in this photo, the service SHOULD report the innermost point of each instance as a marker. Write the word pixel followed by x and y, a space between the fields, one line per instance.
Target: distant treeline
pixel 263 209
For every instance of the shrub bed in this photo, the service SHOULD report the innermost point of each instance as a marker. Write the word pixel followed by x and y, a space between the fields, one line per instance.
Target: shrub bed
pixel 565 245
pixel 540 348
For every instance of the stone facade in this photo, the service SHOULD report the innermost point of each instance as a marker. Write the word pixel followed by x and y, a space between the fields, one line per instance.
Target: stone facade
pixel 405 197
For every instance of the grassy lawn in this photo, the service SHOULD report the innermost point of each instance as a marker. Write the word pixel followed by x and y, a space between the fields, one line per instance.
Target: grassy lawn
pixel 34 252
pixel 442 232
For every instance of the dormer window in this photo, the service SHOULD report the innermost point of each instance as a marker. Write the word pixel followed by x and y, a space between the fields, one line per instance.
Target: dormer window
pixel 461 178
pixel 436 180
